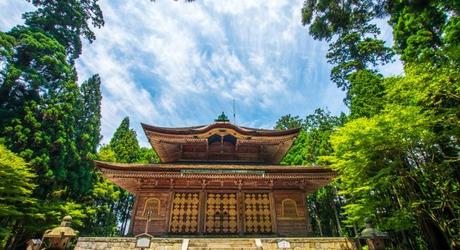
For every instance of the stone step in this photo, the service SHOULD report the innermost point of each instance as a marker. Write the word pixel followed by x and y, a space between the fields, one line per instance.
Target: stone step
pixel 220 245
pixel 228 244
pixel 223 248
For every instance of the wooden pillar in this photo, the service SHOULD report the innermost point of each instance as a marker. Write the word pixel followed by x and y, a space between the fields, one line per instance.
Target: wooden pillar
pixel 202 211
pixel 168 210
pixel 273 207
pixel 273 210
pixel 240 213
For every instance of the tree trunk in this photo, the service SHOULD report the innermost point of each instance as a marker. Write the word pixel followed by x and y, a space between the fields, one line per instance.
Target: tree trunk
pixel 12 242
pixel 433 236
pixel 318 221
pixel 123 217
pixel 337 220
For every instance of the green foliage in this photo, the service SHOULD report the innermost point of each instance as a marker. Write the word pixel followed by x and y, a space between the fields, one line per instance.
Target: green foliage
pixel 403 160
pixel 398 155
pixel 15 192
pixel 288 122
pixel 353 43
pixel 43 125
pixel 297 154
pixel 423 30
pixel 66 21
pixel 147 155
pixel 88 133
pixel 6 47
pixel 310 145
pixel 124 143
pixel 113 205
pixel 366 93
pixel 40 122
pixel 107 154
pixel 369 156
pixel 101 218
pixel 313 139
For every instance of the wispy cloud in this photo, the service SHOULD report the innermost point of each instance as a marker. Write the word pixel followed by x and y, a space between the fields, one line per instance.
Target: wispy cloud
pixel 11 13
pixel 180 64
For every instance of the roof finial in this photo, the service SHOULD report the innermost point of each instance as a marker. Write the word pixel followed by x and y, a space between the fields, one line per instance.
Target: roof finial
pixel 222 118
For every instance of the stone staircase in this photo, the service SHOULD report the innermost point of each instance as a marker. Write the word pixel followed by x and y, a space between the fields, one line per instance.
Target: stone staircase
pixel 222 244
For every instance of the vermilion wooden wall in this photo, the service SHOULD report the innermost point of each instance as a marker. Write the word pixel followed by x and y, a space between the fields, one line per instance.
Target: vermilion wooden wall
pixel 293 224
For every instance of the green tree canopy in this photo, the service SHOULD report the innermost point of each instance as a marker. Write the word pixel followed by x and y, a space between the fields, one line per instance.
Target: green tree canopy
pixel 16 202
pixel 38 96
pixel 67 21
pixel 40 122
pixel 124 143
pixel 113 210
pixel 311 144
pixel 398 154
pixel 352 37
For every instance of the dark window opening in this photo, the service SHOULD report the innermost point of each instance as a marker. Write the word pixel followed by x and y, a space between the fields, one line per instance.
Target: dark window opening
pixel 214 138
pixel 231 139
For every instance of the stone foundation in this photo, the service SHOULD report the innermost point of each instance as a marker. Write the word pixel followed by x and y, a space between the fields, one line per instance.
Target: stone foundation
pixel 118 243
pixel 329 243
pixel 122 243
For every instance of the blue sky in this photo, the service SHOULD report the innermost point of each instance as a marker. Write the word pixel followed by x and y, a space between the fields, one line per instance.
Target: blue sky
pixel 172 63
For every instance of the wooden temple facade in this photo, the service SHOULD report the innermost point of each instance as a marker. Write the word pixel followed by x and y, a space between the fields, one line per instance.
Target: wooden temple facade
pixel 219 179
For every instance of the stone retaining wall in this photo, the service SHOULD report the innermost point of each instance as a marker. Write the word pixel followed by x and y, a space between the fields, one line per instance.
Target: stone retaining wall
pixel 329 243
pixel 118 243
pixel 122 243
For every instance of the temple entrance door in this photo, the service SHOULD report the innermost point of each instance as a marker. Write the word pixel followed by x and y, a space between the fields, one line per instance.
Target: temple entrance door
pixel 257 213
pixel 221 213
pixel 184 213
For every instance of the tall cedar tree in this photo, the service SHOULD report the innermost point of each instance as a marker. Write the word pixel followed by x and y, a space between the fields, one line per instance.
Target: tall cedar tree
pixel 67 21
pixel 40 122
pixel 124 147
pixel 88 134
pixel 353 42
pixel 38 99
pixel 39 118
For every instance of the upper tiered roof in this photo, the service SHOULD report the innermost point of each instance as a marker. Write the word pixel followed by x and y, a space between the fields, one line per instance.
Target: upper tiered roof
pixel 221 141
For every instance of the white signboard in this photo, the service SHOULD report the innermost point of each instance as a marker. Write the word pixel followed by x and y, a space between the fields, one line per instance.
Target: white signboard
pixel 284 244
pixel 143 242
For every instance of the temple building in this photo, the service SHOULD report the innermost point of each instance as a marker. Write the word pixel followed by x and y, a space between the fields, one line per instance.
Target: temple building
pixel 219 179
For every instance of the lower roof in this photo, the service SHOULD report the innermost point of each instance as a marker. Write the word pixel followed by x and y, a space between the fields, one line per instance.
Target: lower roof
pixel 178 167
pixel 137 178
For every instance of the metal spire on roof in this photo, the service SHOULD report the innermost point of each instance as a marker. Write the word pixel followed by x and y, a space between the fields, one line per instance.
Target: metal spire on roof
pixel 234 114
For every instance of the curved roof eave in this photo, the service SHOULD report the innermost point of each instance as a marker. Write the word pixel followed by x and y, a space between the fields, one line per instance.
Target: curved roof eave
pixel 205 128
pixel 178 167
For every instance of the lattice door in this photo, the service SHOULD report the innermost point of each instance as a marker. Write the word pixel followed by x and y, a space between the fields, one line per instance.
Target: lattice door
pixel 184 213
pixel 221 213
pixel 257 213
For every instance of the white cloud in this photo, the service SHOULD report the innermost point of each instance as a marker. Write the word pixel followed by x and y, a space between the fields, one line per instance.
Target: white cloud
pixel 173 63
pixel 11 13
pixel 195 58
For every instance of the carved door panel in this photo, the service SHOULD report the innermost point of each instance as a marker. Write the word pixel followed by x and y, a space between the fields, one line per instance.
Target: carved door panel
pixel 257 213
pixel 184 213
pixel 221 213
